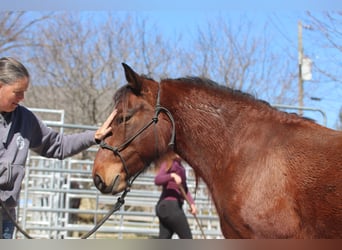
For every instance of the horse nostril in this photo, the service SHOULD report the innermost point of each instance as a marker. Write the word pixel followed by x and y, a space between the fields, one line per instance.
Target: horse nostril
pixel 98 182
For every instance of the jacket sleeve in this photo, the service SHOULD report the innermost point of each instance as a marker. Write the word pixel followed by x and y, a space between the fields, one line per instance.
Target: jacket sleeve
pixel 52 144
pixel 190 197
pixel 162 177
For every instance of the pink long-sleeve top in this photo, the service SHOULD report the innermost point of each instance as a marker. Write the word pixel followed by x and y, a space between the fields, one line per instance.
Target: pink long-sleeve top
pixel 170 189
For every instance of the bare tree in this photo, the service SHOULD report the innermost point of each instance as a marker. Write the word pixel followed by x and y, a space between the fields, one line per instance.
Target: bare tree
pixel 232 55
pixel 78 67
pixel 75 66
pixel 327 33
pixel 14 30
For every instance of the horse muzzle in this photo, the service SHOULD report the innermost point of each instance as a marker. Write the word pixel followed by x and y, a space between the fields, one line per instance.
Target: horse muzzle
pixel 113 188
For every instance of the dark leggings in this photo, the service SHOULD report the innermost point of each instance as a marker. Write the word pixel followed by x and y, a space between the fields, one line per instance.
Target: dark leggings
pixel 172 220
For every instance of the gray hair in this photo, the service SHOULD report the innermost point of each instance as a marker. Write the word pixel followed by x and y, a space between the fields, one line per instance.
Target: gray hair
pixel 12 70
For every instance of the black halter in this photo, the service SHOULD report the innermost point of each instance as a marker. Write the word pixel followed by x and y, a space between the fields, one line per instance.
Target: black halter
pixel 117 149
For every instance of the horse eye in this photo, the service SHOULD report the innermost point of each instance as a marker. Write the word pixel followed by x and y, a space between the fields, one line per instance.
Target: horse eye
pixel 128 118
pixel 121 119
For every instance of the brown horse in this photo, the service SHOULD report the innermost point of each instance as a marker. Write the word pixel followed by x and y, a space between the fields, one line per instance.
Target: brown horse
pixel 271 174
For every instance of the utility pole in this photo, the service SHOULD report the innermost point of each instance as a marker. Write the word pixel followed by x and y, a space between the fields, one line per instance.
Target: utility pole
pixel 300 62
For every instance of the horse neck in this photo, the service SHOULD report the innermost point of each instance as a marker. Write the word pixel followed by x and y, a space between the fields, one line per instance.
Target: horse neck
pixel 205 124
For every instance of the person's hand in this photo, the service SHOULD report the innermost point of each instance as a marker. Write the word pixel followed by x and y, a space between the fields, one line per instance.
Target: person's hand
pixel 176 178
pixel 105 128
pixel 193 209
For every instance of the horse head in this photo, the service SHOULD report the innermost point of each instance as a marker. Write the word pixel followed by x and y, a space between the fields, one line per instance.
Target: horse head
pixel 140 132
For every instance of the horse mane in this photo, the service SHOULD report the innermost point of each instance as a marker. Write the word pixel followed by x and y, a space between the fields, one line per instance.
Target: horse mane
pixel 209 84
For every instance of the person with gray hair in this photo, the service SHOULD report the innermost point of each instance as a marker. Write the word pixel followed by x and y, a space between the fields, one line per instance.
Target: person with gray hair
pixel 21 131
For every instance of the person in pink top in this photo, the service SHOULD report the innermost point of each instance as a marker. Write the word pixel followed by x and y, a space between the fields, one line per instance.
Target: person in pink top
pixel 169 208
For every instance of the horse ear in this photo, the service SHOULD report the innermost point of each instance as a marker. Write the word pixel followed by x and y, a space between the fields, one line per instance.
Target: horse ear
pixel 132 78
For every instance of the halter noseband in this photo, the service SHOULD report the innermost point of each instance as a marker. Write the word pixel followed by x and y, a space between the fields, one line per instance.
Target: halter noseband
pixel 117 149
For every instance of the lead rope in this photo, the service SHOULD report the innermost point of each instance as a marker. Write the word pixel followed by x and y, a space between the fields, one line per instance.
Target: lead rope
pixel 116 207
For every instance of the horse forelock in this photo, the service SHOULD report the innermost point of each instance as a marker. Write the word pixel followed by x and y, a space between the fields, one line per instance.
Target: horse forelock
pixel 120 95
